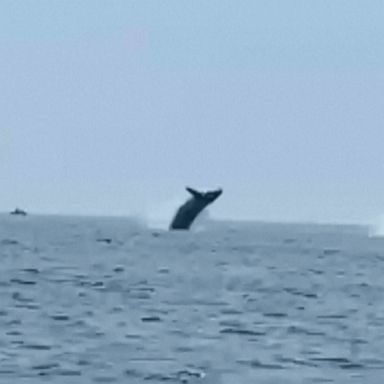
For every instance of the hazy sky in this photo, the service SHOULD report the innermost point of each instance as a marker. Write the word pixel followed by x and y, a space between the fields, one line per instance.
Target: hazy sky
pixel 111 106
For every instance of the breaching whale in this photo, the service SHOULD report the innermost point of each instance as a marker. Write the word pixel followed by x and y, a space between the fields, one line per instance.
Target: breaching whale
pixel 188 212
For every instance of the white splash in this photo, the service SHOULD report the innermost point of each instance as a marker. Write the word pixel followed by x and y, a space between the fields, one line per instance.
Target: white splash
pixel 158 215
pixel 377 229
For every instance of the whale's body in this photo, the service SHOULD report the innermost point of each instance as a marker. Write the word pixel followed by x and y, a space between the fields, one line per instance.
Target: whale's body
pixel 188 212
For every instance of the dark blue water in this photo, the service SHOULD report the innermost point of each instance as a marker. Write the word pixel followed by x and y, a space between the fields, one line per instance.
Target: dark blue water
pixel 109 301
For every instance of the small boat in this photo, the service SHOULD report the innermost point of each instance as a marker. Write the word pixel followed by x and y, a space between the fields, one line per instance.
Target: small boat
pixel 18 212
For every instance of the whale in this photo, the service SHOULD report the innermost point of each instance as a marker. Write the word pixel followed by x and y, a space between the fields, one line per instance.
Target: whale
pixel 187 213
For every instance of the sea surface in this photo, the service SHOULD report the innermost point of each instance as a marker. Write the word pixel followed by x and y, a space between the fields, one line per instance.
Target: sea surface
pixel 100 300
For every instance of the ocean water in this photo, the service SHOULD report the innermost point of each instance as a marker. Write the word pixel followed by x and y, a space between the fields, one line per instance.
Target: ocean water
pixel 92 300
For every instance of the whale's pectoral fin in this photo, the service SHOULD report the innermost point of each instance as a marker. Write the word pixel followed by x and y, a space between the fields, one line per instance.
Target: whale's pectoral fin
pixel 194 193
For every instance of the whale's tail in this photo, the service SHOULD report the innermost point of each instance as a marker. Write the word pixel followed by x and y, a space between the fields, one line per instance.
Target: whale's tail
pixel 209 196
pixel 194 193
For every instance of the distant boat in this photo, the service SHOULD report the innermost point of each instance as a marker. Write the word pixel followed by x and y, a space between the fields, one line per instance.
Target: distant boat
pixel 18 212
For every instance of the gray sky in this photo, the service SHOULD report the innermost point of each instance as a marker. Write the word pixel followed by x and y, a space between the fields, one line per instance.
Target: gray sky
pixel 112 106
